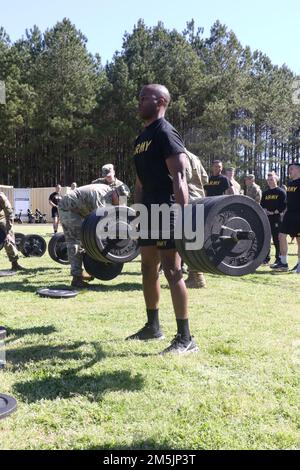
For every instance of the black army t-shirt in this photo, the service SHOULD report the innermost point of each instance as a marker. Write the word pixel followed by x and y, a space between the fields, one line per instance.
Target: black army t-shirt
pixel 217 185
pixel 293 196
pixel 274 200
pixel 154 145
pixel 55 198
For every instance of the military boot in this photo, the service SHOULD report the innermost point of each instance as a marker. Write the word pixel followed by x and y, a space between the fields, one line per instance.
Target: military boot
pixel 195 280
pixel 78 282
pixel 15 266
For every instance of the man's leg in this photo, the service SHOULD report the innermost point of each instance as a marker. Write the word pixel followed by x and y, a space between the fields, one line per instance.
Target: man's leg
pixel 183 342
pixel 151 289
pixel 71 224
pixel 12 252
pixel 55 223
pixel 298 267
pixel 275 236
pixel 282 265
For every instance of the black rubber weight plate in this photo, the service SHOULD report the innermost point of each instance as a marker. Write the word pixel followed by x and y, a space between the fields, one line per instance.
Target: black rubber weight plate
pixel 99 270
pixel 33 245
pixel 7 405
pixel 57 249
pixel 57 293
pixel 7 273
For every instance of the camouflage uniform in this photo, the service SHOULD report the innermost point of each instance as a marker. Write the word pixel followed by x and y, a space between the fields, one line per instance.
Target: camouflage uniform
pixel 73 208
pixel 196 179
pixel 6 223
pixel 236 186
pixel 254 192
pixel 116 184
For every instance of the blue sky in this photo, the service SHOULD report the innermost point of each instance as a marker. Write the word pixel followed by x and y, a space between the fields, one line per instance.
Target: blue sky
pixel 271 26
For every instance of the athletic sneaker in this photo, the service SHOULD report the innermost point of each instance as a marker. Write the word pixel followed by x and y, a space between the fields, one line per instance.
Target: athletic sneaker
pixel 181 346
pixel 274 264
pixel 294 270
pixel 281 267
pixel 147 333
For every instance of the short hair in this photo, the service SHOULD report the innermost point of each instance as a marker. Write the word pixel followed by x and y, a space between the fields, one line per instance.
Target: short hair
pixel 215 162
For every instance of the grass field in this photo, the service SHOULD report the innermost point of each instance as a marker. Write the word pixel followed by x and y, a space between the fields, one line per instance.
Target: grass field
pixel 79 385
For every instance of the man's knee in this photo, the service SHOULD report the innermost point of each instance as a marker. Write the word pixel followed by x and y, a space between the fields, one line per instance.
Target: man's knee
pixel 150 270
pixel 172 274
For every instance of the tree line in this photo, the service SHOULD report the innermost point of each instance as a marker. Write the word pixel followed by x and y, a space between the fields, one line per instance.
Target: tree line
pixel 66 113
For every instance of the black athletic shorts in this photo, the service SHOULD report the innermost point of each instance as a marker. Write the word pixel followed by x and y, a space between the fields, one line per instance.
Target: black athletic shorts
pixel 291 224
pixel 54 212
pixel 161 242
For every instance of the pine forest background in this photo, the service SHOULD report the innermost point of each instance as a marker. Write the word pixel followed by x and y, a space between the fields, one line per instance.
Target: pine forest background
pixel 66 113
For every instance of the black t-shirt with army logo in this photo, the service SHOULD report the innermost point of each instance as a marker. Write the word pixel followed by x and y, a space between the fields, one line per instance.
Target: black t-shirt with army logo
pixel 274 200
pixel 55 198
pixel 154 145
pixel 293 196
pixel 217 185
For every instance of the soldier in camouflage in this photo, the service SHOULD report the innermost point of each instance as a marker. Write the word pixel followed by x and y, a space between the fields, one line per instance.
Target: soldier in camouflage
pixel 109 178
pixel 73 208
pixel 252 189
pixel 196 177
pixel 6 224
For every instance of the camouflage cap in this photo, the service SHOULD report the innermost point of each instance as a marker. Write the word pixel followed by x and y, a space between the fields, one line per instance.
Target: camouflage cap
pixel 107 169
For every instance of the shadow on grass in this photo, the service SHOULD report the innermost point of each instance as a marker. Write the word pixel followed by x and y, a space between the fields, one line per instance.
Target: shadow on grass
pixel 18 357
pixel 122 287
pixel 36 330
pixel 68 384
pixel 20 286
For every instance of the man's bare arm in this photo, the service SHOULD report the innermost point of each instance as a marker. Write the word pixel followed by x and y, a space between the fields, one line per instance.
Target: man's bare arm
pixel 177 167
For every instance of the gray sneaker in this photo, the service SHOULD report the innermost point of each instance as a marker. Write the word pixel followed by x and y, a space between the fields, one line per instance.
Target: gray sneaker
pixel 181 346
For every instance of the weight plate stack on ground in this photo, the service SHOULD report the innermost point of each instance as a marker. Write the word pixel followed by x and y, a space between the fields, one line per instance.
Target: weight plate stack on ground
pixel 119 249
pixel 33 245
pixel 236 237
pixel 100 270
pixel 57 249
pixel 19 238
pixel 7 405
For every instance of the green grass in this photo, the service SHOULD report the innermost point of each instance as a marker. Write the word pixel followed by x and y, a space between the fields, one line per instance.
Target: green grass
pixel 79 385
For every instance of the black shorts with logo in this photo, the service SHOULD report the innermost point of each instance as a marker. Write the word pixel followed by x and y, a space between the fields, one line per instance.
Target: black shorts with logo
pixel 291 224
pixel 162 242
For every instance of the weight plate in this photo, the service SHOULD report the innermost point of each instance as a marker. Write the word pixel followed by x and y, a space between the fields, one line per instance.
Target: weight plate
pixel 33 245
pixel 5 273
pixel 115 250
pixel 222 251
pixel 57 249
pixel 57 293
pixel 245 256
pixel 7 405
pixel 102 271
